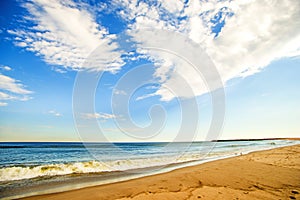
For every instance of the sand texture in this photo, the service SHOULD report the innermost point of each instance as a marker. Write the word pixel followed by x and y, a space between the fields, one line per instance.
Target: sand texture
pixel 270 174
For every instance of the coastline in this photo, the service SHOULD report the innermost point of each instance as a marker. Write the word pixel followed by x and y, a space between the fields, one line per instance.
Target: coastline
pixel 264 174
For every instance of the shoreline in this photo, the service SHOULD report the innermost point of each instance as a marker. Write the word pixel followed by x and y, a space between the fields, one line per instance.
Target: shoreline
pixel 252 176
pixel 41 185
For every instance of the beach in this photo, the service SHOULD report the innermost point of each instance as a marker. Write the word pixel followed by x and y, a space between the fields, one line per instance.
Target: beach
pixel 268 174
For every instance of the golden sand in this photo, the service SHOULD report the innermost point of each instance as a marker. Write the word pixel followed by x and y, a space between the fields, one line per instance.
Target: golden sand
pixel 270 174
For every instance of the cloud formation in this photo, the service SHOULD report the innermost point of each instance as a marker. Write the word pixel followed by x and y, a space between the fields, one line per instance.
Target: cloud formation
pixel 3 104
pixel 5 68
pixel 64 33
pixel 119 92
pixel 103 116
pixel 241 37
pixel 54 113
pixel 145 96
pixel 12 89
pixel 251 35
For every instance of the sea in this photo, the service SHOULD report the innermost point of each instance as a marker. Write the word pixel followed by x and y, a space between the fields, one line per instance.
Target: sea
pixel 32 168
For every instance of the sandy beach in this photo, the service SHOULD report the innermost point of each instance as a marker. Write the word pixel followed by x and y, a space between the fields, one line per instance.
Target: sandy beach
pixel 269 174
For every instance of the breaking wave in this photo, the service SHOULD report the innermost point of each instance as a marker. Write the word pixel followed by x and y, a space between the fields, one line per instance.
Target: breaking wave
pixel 25 172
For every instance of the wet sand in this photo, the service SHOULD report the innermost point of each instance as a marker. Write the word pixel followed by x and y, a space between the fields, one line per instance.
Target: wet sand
pixel 270 174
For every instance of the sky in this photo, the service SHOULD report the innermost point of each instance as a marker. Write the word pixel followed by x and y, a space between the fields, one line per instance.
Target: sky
pixel 149 70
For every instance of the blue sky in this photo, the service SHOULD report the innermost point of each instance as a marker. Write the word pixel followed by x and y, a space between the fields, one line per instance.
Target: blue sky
pixel 46 46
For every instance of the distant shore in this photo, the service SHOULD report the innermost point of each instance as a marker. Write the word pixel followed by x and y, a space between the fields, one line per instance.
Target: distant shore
pixel 269 174
pixel 234 140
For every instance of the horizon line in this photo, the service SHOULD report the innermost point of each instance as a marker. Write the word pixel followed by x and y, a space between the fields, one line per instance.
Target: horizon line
pixel 218 140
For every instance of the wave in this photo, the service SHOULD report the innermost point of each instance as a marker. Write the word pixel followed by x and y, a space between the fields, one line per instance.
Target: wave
pixel 26 172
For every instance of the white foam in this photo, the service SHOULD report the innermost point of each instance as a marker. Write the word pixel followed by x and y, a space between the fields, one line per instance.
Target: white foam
pixel 26 172
pixel 18 173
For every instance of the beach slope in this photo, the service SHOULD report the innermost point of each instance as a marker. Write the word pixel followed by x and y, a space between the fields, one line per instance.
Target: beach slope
pixel 270 174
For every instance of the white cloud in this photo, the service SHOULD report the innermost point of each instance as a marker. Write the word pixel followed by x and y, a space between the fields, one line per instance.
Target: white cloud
pixel 12 89
pixel 59 70
pixel 5 68
pixel 3 104
pixel 172 6
pixel 145 96
pixel 255 36
pixel 119 92
pixel 104 116
pixel 12 85
pixel 255 33
pixel 4 96
pixel 21 44
pixel 54 113
pixel 151 87
pixel 65 34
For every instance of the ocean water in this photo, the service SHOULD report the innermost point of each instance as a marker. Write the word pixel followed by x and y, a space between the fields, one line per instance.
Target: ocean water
pixel 42 167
